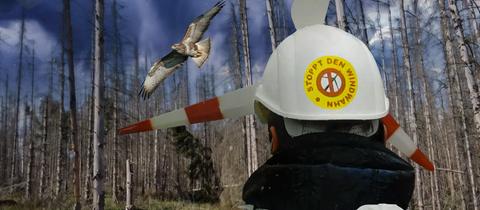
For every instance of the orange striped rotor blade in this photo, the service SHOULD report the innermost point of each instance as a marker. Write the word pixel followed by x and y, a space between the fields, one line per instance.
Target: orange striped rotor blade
pixel 142 126
pixel 231 105
pixel 400 140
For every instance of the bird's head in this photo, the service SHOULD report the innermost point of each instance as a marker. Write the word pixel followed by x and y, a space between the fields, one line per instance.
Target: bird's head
pixel 180 48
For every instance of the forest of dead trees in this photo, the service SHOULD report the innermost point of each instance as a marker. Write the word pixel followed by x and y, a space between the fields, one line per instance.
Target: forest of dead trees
pixel 69 150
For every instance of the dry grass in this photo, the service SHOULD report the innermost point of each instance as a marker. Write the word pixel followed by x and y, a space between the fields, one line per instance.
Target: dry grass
pixel 109 205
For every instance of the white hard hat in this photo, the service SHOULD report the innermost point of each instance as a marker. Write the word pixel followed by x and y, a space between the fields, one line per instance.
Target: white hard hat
pixel 323 73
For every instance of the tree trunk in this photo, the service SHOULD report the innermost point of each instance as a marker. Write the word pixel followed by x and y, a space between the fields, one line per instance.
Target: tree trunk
pixel 139 137
pixel 91 108
pixel 24 138
pixel 115 181
pixel 156 155
pixel 17 104
pixel 88 174
pixel 4 149
pixel 62 131
pixel 468 66
pixel 235 57
pixel 235 53
pixel 164 167
pixel 250 120
pixel 136 85
pixel 43 164
pixel 448 160
pixel 155 162
pixel 341 19
pixel 98 139
pixel 396 86
pixel 73 103
pixel 51 164
pixel 271 25
pixel 141 163
pixel 362 22
pixel 31 153
pixel 411 100
pixel 128 187
pixel 382 52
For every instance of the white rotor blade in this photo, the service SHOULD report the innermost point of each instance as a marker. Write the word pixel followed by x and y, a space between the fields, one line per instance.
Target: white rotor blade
pixel 309 12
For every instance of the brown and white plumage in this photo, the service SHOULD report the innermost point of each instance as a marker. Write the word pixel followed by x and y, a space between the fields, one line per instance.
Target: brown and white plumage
pixel 190 46
pixel 198 27
pixel 159 71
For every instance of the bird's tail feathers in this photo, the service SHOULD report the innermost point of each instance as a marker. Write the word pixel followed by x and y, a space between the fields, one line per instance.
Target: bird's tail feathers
pixel 204 48
pixel 144 93
pixel 140 93
pixel 220 4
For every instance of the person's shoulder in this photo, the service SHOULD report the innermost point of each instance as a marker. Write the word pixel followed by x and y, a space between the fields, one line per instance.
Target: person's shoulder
pixel 380 207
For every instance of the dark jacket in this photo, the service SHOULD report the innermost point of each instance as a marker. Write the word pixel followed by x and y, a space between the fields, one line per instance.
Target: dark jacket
pixel 331 171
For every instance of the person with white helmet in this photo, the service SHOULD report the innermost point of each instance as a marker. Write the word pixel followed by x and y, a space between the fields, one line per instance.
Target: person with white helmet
pixel 323 99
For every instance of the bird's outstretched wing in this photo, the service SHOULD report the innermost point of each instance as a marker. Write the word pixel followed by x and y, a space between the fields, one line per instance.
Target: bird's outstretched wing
pixel 159 71
pixel 200 24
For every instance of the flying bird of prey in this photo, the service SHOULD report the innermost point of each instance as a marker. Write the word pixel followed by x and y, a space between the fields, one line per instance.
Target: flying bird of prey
pixel 190 46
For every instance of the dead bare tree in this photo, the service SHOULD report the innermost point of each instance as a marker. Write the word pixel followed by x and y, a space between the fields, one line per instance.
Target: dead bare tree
pixel 116 57
pixel 43 164
pixel 4 149
pixel 249 120
pixel 31 153
pixel 382 48
pixel 396 86
pixel 363 26
pixel 235 53
pixel 17 103
pixel 91 108
pixel 98 140
pixel 271 24
pixel 73 102
pixel 129 201
pixel 62 130
pixel 341 19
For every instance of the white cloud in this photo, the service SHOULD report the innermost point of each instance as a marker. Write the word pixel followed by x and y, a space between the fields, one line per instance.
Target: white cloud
pixel 219 48
pixel 35 33
pixel 376 37
pixel 257 71
pixel 425 9
pixel 150 26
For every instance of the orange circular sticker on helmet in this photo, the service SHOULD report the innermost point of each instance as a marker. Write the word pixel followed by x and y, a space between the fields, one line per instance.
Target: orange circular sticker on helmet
pixel 331 82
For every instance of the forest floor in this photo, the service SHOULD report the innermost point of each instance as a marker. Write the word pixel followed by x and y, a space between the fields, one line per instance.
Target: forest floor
pixel 110 205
